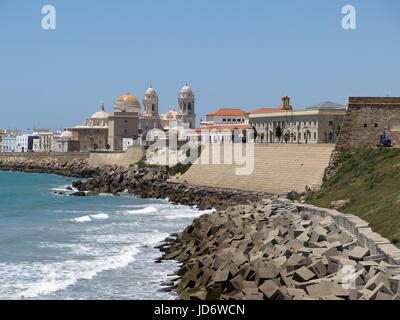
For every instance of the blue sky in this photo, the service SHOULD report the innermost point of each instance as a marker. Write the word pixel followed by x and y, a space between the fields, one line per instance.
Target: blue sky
pixel 234 53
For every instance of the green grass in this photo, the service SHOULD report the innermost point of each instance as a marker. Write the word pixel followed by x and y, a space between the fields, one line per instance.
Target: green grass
pixel 182 168
pixel 142 164
pixel 370 179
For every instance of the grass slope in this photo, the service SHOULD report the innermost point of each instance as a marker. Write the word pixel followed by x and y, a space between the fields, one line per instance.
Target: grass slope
pixel 370 179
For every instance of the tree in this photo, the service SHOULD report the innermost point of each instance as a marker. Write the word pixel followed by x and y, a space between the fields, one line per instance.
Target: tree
pixel 278 133
pixel 255 133
pixel 286 136
pixel 244 136
pixel 308 135
pixel 235 135
pixel 95 146
pixel 108 147
pixel 337 130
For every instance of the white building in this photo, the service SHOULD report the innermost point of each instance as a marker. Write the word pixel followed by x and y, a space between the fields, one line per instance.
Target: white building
pixel 225 117
pixel 9 144
pixel 36 144
pixel 22 143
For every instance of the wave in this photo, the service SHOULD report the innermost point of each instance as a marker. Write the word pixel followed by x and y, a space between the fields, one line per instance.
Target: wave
pixel 81 219
pixel 64 189
pixel 43 279
pixel 100 216
pixel 149 209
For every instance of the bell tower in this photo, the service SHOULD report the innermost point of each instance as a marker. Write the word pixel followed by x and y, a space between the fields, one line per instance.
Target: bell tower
pixel 285 104
pixel 186 106
pixel 150 103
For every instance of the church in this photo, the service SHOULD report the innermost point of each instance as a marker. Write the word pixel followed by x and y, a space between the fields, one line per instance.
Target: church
pixel 107 130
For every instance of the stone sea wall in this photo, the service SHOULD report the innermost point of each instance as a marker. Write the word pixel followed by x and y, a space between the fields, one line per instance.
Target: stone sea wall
pixel 133 155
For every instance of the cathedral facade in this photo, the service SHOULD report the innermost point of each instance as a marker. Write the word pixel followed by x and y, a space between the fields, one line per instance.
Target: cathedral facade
pixel 107 130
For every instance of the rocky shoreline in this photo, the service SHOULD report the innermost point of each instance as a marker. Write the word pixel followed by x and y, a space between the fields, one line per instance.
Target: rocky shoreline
pixel 255 246
pixel 144 182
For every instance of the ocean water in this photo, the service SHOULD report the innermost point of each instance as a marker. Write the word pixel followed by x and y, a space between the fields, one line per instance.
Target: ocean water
pixel 63 247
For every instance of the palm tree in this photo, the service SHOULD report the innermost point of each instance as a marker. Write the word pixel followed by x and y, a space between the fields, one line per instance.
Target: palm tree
pixel 255 133
pixel 286 136
pixel 308 135
pixel 278 133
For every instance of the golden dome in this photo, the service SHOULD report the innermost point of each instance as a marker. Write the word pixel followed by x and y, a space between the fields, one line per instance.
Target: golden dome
pixel 128 99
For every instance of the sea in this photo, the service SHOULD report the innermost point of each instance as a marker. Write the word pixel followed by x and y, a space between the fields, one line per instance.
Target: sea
pixel 61 247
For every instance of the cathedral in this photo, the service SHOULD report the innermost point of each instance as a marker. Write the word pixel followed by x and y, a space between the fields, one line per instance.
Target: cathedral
pixel 107 130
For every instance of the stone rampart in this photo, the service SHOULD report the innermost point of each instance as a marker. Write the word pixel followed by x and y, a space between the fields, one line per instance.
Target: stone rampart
pixel 366 119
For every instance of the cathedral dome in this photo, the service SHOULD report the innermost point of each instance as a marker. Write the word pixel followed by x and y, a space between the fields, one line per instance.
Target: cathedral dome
pixel 66 135
pixel 100 114
pixel 150 91
pixel 186 89
pixel 128 99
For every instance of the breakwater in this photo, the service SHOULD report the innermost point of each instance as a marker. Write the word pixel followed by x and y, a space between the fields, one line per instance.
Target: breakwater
pixel 275 249
pixel 256 246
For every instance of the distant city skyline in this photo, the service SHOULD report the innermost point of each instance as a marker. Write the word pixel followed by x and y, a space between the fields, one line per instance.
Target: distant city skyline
pixel 242 54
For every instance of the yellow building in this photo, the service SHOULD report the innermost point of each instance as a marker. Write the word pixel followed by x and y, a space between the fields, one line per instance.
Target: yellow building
pixel 46 141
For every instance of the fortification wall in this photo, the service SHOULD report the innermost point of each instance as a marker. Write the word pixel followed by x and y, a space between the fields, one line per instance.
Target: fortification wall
pixel 124 159
pixel 366 119
pixel 42 156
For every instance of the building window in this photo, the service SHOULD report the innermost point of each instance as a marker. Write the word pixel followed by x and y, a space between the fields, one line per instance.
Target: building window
pixel 126 131
pixel 315 136
pixel 365 125
pixel 331 123
pixel 376 125
pixel 330 136
pixel 126 121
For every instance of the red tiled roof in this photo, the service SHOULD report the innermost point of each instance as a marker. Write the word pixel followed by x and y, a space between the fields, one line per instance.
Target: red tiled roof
pixel 220 128
pixel 227 112
pixel 264 110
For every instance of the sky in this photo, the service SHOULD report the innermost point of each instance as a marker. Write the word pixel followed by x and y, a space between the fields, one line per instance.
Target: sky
pixel 233 53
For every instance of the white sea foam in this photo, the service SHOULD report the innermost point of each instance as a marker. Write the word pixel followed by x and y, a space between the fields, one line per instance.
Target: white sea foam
pixel 64 188
pixel 81 219
pixel 45 278
pixel 88 218
pixel 100 216
pixel 149 209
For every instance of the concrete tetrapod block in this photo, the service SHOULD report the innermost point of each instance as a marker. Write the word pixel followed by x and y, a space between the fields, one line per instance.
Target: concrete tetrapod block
pixel 270 290
pixel 221 276
pixel 318 268
pixel 303 275
pixel 358 253
pixel 394 283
